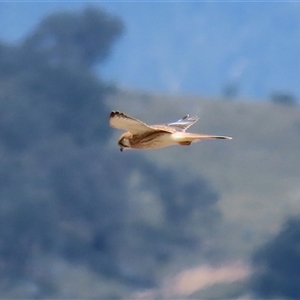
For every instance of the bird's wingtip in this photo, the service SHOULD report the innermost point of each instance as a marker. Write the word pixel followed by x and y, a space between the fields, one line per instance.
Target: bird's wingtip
pixel 113 112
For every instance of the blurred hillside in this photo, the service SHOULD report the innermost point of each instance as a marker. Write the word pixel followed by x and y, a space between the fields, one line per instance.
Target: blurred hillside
pixel 79 219
pixel 257 173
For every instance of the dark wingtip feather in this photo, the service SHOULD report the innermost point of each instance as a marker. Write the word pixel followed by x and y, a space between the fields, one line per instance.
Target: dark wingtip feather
pixel 224 137
pixel 113 113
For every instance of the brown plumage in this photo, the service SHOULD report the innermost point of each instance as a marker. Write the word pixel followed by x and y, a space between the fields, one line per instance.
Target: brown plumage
pixel 142 136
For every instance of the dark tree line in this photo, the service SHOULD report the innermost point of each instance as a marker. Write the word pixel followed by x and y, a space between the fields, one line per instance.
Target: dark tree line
pixel 62 190
pixel 277 265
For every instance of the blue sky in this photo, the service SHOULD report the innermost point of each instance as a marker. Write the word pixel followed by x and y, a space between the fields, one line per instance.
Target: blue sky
pixel 190 47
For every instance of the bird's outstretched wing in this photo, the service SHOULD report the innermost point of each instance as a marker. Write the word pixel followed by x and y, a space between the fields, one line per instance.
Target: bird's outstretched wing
pixel 184 123
pixel 122 121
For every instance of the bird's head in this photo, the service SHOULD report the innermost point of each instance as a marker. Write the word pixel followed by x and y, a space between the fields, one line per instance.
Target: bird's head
pixel 124 142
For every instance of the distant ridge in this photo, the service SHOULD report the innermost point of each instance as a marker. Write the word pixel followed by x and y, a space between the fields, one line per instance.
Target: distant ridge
pixel 257 173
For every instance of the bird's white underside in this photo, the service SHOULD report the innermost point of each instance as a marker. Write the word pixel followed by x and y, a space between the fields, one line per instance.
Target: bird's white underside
pixel 131 125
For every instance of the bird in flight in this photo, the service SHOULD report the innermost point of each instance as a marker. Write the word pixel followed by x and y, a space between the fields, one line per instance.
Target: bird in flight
pixel 139 135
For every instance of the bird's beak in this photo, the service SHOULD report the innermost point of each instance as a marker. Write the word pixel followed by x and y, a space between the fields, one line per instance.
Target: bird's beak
pixel 121 149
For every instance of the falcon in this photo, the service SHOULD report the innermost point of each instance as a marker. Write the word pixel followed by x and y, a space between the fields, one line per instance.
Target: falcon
pixel 139 135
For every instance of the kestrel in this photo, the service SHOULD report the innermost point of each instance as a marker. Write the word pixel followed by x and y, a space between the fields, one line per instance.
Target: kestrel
pixel 142 136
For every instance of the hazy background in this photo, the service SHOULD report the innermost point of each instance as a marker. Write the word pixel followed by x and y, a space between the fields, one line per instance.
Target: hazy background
pixel 218 219
pixel 190 48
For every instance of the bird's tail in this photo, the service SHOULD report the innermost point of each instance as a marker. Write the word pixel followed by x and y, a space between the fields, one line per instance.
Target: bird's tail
pixel 185 138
